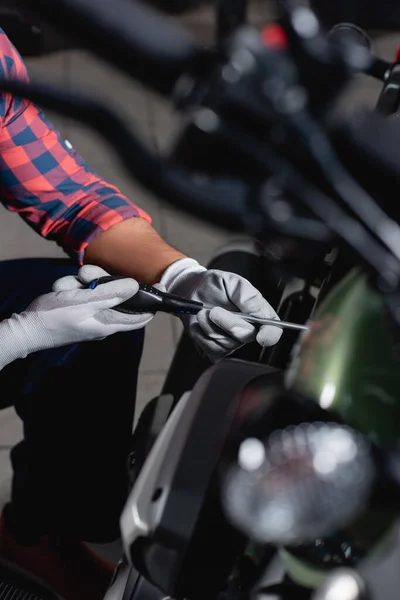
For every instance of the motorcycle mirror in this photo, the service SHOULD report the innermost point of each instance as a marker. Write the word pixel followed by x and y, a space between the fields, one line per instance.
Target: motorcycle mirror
pixel 350 33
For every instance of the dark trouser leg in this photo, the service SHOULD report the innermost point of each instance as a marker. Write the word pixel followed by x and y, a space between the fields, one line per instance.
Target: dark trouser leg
pixel 77 406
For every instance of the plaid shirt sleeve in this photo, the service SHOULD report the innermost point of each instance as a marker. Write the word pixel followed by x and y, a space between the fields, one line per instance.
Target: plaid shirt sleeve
pixel 46 181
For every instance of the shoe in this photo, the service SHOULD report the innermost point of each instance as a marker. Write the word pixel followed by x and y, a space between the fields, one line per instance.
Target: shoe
pixel 70 568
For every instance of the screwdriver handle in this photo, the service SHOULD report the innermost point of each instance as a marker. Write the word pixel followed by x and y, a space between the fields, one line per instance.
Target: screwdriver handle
pixel 151 300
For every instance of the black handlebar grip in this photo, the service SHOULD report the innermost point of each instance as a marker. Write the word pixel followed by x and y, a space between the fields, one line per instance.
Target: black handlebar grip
pixel 138 39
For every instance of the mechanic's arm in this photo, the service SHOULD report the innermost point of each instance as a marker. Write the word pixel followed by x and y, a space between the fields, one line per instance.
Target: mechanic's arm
pixel 132 248
pixel 56 192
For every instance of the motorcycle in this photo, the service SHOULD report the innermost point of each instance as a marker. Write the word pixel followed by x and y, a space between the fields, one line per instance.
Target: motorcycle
pixel 298 460
pixel 278 266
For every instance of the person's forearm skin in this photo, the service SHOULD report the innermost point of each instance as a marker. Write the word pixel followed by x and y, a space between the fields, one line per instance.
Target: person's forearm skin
pixel 132 248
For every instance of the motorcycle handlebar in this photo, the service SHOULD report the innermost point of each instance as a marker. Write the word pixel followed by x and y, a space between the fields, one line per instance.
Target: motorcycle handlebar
pixel 158 54
pixel 134 37
pixel 223 202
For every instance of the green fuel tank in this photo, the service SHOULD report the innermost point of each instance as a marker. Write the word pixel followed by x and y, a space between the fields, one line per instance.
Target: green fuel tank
pixel 349 362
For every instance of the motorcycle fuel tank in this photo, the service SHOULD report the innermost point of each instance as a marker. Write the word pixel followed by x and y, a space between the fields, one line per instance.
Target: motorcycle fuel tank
pixel 349 363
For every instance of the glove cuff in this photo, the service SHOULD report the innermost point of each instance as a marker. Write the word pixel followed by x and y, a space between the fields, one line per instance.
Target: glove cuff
pixel 21 335
pixel 181 277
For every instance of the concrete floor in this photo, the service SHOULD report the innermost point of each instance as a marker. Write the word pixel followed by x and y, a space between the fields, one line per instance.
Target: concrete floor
pixel 156 122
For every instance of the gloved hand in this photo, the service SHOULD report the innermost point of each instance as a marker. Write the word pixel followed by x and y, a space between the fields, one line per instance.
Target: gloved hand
pixel 70 314
pixel 218 333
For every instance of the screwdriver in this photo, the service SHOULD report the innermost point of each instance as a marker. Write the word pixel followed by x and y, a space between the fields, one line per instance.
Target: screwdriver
pixel 151 300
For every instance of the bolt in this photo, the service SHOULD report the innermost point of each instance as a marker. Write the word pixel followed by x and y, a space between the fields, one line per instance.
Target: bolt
pixel 294 100
pixel 280 211
pixel 305 22
pixel 243 61
pixel 230 74
pixel 206 120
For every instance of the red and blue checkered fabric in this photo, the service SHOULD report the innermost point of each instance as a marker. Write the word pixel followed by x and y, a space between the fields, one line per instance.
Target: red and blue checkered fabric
pixel 44 180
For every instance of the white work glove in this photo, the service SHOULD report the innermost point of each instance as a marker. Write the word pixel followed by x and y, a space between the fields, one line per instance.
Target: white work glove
pixel 70 314
pixel 217 332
